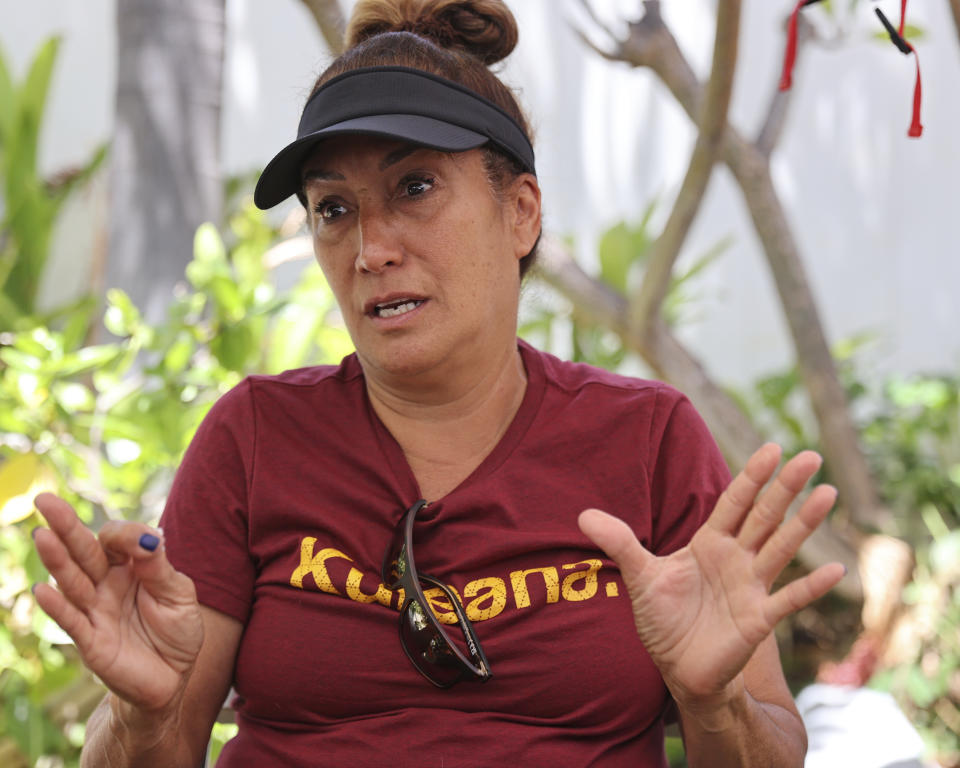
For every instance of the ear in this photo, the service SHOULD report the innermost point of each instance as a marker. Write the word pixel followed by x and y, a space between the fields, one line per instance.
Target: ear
pixel 525 209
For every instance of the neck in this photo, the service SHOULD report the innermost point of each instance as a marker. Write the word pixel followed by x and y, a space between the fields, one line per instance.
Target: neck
pixel 447 431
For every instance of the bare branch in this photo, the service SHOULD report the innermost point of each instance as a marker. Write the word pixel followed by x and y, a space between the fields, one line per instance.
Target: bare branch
pixel 613 55
pixel 713 121
pixel 330 22
pixel 592 15
pixel 955 10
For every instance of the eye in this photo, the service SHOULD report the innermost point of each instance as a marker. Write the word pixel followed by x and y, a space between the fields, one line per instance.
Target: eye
pixel 416 186
pixel 329 209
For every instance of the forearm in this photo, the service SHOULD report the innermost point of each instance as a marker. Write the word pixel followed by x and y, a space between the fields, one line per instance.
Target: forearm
pixel 743 733
pixel 120 736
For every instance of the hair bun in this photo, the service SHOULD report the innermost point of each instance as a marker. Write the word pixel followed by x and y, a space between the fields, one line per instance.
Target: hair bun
pixel 484 28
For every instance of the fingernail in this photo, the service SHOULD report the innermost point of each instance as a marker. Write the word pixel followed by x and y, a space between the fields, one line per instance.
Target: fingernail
pixel 149 542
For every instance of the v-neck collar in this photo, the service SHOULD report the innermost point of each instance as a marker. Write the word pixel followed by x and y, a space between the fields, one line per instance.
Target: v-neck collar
pixel 526 413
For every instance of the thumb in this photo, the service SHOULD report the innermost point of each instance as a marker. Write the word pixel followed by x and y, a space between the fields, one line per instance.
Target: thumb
pixel 142 547
pixel 618 540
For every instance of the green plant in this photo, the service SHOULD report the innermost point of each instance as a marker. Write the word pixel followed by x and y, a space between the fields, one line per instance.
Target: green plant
pixel 106 425
pixel 31 203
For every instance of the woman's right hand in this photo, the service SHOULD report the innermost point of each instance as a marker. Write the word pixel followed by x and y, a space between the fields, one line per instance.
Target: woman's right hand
pixel 135 620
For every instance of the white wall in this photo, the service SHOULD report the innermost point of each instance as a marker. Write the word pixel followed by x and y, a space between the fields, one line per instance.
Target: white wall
pixel 874 212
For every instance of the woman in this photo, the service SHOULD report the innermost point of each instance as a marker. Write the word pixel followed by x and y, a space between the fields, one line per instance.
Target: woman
pixel 299 524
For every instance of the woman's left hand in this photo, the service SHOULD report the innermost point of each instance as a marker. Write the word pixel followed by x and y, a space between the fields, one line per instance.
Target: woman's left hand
pixel 702 611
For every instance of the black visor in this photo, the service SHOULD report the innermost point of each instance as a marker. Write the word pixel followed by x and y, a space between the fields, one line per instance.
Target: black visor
pixel 396 103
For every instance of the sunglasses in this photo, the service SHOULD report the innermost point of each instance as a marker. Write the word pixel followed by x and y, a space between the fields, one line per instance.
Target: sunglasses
pixel 428 646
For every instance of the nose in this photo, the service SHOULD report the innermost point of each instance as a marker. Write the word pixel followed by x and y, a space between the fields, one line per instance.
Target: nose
pixel 379 246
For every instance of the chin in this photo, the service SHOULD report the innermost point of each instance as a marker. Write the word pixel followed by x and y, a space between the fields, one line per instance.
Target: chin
pixel 399 360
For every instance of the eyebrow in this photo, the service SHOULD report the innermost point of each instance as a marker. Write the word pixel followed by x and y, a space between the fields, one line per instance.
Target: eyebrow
pixel 318 174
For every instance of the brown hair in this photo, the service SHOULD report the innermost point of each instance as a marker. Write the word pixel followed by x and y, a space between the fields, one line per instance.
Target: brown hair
pixel 454 39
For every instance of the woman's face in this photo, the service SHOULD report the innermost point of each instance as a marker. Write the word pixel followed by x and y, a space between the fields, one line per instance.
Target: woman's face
pixel 420 254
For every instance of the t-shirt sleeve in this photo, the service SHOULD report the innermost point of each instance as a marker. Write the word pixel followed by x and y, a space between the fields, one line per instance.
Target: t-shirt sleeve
pixel 205 518
pixel 687 472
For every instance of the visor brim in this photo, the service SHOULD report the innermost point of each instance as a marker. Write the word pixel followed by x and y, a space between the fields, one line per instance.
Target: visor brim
pixel 283 175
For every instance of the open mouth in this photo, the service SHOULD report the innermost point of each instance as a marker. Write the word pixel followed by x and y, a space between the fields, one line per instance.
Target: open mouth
pixel 396 308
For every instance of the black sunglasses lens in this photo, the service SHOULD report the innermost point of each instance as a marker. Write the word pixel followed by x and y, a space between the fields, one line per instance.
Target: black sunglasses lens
pixel 427 648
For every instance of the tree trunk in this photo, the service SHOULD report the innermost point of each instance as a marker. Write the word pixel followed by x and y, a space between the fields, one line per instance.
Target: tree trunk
pixel 166 178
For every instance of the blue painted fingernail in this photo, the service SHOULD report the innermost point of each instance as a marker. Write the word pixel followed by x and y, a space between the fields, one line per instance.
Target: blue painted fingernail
pixel 149 542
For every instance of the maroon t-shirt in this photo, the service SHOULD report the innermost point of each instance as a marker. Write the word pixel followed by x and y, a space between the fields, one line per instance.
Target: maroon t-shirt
pixel 288 497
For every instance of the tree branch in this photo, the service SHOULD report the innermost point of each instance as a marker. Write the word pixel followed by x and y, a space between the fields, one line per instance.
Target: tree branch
pixel 330 21
pixel 655 47
pixel 712 121
pixel 955 10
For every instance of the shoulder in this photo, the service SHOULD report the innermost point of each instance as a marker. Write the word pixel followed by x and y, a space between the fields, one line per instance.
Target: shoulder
pixel 325 388
pixel 580 380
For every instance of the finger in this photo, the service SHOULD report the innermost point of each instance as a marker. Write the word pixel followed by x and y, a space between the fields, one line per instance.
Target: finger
pixel 800 593
pixel 142 546
pixel 71 579
pixel 735 502
pixel 72 620
pixel 616 539
pixel 770 508
pixel 783 546
pixel 76 537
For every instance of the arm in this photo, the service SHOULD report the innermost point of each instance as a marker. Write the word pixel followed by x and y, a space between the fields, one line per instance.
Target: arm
pixel 759 727
pixel 122 734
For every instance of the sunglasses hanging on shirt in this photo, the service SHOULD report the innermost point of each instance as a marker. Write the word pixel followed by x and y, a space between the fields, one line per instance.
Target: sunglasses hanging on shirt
pixel 441 657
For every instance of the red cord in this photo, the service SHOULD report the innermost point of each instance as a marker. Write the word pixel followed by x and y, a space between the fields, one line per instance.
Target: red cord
pixel 790 56
pixel 916 127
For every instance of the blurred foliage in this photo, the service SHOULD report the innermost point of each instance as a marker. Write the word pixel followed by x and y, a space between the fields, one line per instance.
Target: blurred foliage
pixel 105 426
pixel 909 428
pixel 31 203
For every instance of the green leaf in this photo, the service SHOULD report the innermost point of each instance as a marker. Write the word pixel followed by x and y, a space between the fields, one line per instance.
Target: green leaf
pixel 229 303
pixel 911 33
pixel 616 252
pixel 89 359
pixel 122 318
pixel 179 353
pixel 208 245
pixel 7 98
pixel 233 346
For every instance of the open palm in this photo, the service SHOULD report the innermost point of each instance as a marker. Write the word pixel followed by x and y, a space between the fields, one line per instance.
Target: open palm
pixel 703 611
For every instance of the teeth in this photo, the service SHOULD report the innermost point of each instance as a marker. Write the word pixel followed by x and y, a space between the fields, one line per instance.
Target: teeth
pixel 397 309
